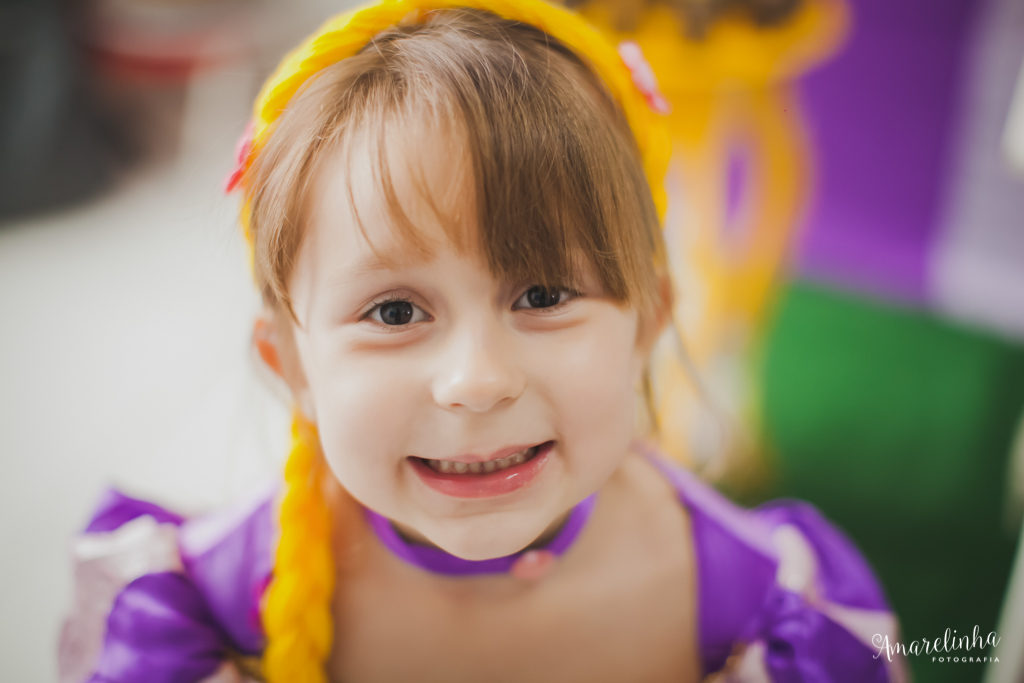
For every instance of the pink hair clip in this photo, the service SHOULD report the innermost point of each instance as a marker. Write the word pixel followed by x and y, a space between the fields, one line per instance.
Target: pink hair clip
pixel 643 76
pixel 242 150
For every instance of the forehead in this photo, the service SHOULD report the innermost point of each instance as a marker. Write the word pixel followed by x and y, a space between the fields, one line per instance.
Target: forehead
pixel 391 193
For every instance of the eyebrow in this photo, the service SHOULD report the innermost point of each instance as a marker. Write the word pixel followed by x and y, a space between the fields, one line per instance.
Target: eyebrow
pixel 389 259
pixel 373 264
pixel 393 259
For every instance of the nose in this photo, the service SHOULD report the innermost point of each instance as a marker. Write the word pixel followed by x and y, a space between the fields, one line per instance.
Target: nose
pixel 479 370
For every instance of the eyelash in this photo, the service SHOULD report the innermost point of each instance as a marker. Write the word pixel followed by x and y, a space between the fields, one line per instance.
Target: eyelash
pixel 393 298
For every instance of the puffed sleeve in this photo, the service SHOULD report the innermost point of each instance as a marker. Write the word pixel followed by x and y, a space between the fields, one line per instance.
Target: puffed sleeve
pixel 163 599
pixel 819 617
pixel 782 595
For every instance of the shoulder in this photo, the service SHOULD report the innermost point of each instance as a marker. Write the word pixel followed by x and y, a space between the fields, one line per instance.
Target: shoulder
pixel 783 594
pixel 160 593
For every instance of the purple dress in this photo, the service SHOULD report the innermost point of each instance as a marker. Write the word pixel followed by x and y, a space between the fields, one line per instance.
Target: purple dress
pixel 783 595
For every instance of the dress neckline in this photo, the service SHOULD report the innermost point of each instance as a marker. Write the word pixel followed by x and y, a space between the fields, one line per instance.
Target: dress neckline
pixel 438 561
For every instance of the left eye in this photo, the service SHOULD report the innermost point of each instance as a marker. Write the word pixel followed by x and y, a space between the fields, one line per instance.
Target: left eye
pixel 396 312
pixel 543 297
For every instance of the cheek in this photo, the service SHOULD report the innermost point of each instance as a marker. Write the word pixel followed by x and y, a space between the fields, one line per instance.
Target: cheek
pixel 361 409
pixel 592 384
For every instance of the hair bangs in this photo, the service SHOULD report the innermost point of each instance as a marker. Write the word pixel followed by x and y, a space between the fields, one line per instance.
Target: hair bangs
pixel 540 152
pixel 556 177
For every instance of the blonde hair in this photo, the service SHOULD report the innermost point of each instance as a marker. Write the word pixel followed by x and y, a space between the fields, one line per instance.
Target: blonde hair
pixel 563 158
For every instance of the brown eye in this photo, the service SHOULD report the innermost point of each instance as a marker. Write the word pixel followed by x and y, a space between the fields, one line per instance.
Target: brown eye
pixel 540 297
pixel 396 313
pixel 544 297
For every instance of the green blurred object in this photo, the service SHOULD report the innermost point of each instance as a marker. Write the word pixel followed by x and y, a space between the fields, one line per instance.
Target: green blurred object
pixel 899 427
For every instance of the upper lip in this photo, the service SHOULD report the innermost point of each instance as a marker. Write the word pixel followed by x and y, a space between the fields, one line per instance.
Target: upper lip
pixel 496 455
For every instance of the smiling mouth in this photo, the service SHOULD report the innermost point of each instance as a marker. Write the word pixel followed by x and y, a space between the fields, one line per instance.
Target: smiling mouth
pixel 471 468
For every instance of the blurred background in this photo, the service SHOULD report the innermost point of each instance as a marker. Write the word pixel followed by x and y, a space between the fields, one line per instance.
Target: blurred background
pixel 847 216
pixel 125 296
pixel 847 194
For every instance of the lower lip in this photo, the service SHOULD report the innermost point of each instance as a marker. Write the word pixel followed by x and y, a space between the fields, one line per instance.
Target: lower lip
pixel 484 485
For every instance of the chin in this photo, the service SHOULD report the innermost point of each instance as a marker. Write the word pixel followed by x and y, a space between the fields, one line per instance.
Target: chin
pixel 486 541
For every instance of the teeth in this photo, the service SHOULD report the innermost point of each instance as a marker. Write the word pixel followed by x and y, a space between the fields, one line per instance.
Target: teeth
pixel 450 466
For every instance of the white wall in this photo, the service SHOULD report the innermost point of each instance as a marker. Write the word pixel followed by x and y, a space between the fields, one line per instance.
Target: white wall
pixel 124 360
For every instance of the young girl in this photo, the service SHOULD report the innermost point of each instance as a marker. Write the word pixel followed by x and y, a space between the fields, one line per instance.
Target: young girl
pixel 453 208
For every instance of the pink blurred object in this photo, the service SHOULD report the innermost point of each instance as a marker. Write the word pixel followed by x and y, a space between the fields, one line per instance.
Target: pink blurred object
pixel 643 76
pixel 242 150
pixel 156 39
pixel 144 54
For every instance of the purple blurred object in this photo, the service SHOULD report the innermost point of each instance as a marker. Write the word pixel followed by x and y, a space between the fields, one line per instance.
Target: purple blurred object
pixel 882 115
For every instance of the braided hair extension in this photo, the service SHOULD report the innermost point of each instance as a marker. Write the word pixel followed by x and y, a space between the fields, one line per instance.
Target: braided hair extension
pixel 296 611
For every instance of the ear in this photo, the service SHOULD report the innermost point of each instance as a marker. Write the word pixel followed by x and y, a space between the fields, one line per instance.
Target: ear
pixel 265 345
pixel 273 341
pixel 653 324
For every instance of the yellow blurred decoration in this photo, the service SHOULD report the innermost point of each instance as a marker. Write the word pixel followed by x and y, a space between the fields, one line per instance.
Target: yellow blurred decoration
pixel 732 98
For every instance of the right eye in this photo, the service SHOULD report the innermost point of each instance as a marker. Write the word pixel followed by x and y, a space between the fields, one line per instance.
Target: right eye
pixel 395 312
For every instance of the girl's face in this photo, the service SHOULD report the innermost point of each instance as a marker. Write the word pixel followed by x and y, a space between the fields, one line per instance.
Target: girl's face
pixel 426 375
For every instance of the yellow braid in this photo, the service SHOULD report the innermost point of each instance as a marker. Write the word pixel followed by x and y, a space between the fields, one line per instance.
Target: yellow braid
pixel 296 609
pixel 296 613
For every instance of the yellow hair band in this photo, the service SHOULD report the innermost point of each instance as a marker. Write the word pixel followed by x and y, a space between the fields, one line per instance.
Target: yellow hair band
pixel 346 34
